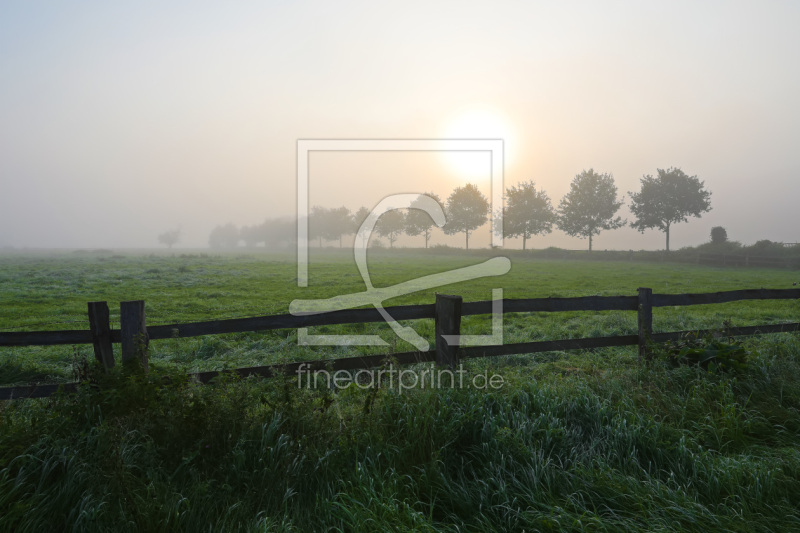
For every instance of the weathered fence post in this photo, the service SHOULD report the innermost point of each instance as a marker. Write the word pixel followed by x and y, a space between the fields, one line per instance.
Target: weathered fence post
pixel 447 322
pixel 133 332
pixel 645 315
pixel 101 334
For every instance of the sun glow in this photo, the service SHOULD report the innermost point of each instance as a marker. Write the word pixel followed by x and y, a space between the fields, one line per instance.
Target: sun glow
pixel 480 124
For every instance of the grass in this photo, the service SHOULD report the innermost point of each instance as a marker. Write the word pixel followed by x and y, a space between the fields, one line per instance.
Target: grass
pixel 585 442
pixel 50 292
pixel 579 441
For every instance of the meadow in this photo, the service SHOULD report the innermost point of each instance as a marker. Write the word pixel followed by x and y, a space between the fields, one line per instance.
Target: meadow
pixel 579 441
pixel 50 292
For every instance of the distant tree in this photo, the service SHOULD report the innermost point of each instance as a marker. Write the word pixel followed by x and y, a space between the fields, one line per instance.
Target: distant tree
pixel 279 232
pixel 359 217
pixel 252 235
pixel 226 236
pixel 527 212
pixel 467 210
pixel 317 220
pixel 719 235
pixel 170 238
pixel 391 225
pixel 589 206
pixel 668 199
pixel 339 222
pixel 418 222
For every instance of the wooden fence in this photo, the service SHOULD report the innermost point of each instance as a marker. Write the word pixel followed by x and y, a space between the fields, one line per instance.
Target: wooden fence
pixel 134 335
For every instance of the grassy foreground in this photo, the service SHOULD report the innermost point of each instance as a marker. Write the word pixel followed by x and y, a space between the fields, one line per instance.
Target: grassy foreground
pixel 581 441
pixel 587 442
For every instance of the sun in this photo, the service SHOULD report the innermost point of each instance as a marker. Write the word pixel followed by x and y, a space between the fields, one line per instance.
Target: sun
pixel 475 124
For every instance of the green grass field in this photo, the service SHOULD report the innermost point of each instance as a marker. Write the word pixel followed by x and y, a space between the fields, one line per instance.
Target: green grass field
pixel 51 292
pixel 578 441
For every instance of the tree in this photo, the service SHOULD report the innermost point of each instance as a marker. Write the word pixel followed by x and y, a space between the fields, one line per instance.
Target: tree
pixel 467 210
pixel 317 221
pixel 719 235
pixel 280 232
pixel 589 206
pixel 170 238
pixel 668 199
pixel 527 212
pixel 359 218
pixel 252 235
pixel 339 223
pixel 418 222
pixel 390 225
pixel 226 236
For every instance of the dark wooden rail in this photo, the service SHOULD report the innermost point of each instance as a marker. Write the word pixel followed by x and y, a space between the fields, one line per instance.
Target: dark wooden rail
pixel 447 312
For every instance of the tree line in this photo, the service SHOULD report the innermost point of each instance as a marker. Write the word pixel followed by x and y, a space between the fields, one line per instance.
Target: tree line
pixel 589 208
pixel 591 205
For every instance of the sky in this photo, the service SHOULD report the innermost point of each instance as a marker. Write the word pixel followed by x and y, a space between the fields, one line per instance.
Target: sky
pixel 121 120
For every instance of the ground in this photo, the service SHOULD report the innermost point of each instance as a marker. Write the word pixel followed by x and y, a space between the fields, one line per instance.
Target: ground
pixel 586 440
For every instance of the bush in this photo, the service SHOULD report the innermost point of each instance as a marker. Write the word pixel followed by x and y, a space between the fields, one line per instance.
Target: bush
pixel 709 353
pixel 718 235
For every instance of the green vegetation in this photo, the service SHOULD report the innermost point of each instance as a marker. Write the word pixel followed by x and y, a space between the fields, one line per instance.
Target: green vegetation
pixel 590 206
pixel 50 293
pixel 669 198
pixel 572 442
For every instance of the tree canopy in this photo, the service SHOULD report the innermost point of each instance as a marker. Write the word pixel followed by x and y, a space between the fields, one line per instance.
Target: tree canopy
pixel 170 238
pixel 467 210
pixel 339 223
pixel 589 206
pixel 418 222
pixel 226 236
pixel 391 225
pixel 719 235
pixel 359 218
pixel 329 223
pixel 527 212
pixel 668 199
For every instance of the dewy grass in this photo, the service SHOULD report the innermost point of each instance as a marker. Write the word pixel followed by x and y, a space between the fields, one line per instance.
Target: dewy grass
pixel 50 293
pixel 581 442
pixel 574 441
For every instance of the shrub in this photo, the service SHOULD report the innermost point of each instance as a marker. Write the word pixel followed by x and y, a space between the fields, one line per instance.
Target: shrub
pixel 710 353
pixel 718 235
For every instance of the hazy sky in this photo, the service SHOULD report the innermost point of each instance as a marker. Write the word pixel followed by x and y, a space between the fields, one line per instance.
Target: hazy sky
pixel 120 120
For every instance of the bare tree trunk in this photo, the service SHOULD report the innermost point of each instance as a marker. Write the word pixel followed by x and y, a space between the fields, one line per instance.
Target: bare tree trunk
pixel 590 242
pixel 667 232
pixel 467 234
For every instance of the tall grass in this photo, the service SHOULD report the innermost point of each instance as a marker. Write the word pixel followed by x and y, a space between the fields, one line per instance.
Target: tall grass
pixel 587 441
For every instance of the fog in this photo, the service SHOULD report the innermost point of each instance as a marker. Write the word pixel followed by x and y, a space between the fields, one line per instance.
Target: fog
pixel 119 122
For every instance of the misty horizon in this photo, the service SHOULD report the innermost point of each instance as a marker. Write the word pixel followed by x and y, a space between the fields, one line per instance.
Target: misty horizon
pixel 120 122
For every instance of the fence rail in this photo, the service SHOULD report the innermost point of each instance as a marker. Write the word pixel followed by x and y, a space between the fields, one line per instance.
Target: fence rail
pixel 134 335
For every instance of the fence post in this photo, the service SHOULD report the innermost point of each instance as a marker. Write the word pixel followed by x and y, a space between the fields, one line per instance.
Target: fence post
pixel 447 322
pixel 133 332
pixel 101 334
pixel 645 315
